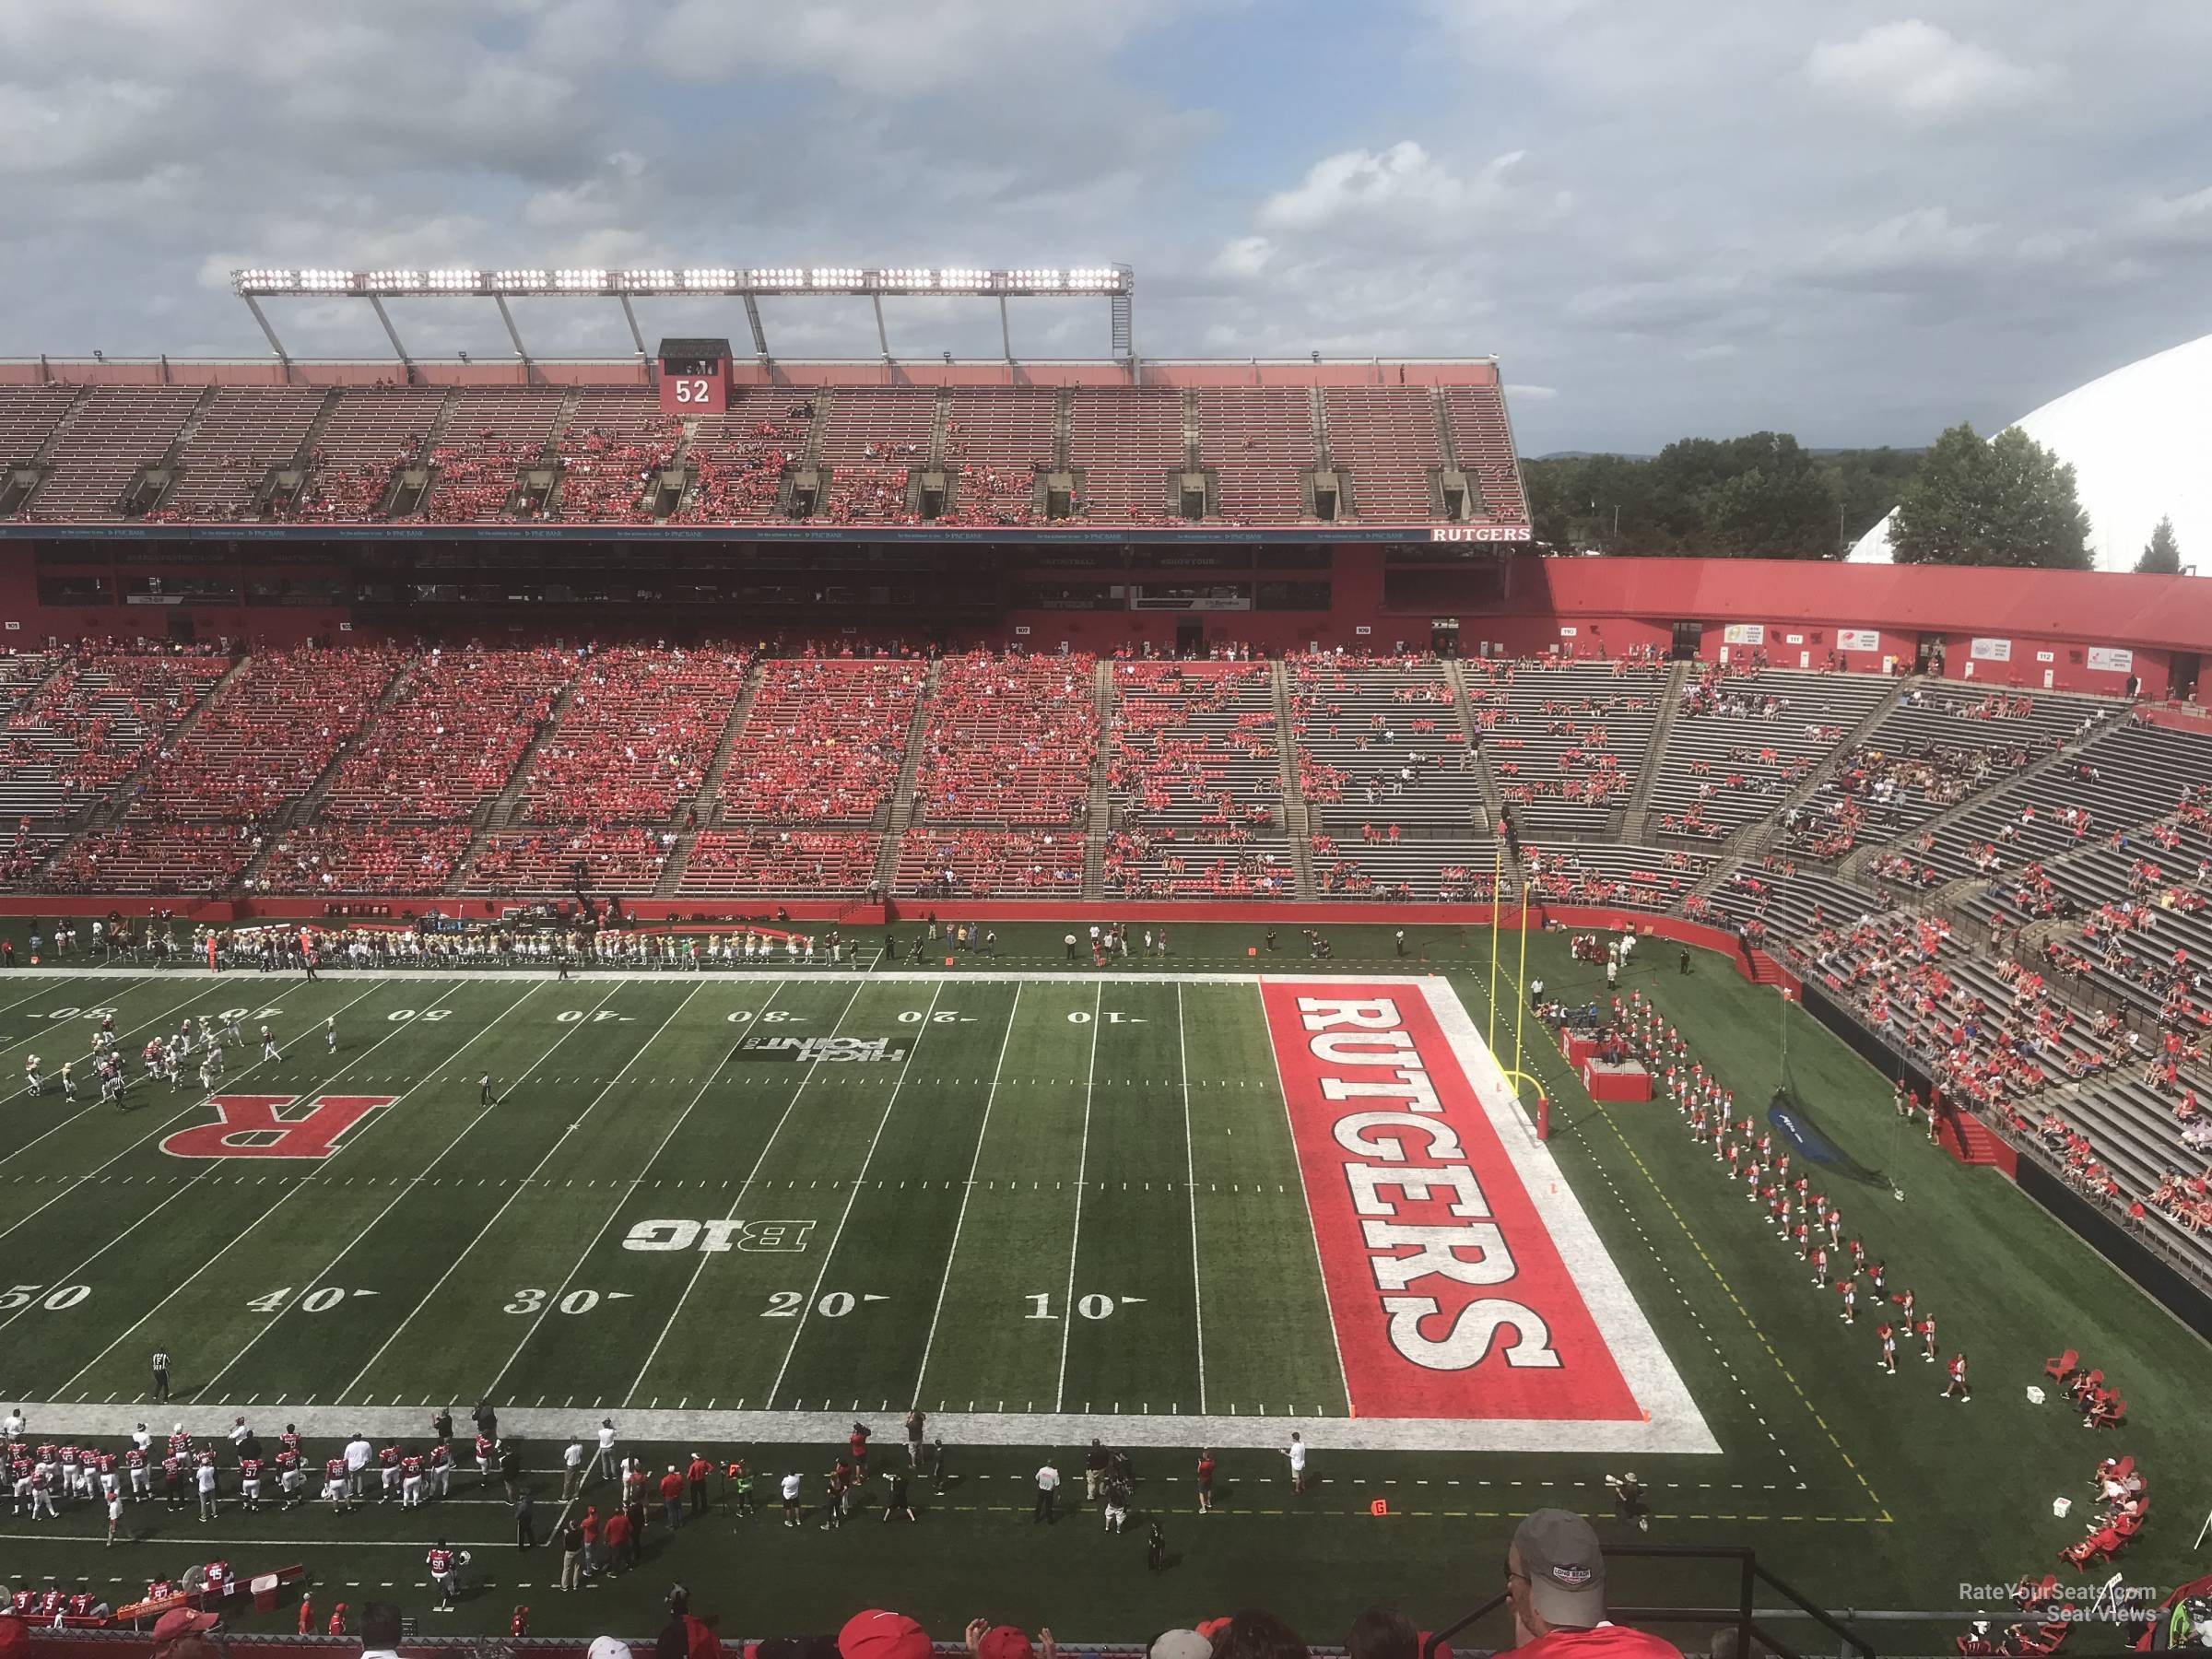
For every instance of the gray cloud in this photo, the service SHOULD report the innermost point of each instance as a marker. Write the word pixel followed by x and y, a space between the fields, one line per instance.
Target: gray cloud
pixel 1668 216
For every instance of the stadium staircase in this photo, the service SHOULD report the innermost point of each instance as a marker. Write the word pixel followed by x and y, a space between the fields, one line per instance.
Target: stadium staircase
pixel 303 456
pixel 702 804
pixel 1298 818
pixel 43 456
pixel 1628 824
pixel 902 798
pixel 1099 820
pixel 1493 804
pixel 501 811
pixel 1967 1138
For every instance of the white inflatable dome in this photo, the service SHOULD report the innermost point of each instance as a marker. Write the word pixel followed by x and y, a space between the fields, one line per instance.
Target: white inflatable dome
pixel 2138 440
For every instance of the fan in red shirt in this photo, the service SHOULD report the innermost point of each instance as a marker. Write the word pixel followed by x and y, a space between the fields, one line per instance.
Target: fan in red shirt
pixel 1555 1581
pixel 672 1496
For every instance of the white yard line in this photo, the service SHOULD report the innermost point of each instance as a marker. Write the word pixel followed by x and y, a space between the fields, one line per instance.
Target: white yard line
pixel 1324 1433
pixel 853 1198
pixel 290 1193
pixel 524 1185
pixel 930 1343
pixel 1321 1278
pixel 161 1019
pixel 198 1101
pixel 1075 1248
pixel 532 1323
pixel 743 1187
pixel 1190 1185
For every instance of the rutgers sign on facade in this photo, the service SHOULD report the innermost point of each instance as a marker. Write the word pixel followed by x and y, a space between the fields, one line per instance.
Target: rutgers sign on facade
pixel 1478 532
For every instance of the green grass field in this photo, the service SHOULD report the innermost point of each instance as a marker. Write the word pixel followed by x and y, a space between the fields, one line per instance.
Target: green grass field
pixel 1058 1196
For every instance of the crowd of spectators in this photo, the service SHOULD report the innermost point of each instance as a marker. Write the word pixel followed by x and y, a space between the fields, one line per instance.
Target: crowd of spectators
pixel 823 740
pixel 627 859
pixel 1009 738
pixel 397 858
pixel 605 475
pixel 450 740
pixel 265 738
pixel 641 725
pixel 960 863
pixel 781 861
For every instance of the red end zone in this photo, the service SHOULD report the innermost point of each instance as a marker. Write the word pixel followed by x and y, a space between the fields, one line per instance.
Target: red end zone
pixel 1450 1295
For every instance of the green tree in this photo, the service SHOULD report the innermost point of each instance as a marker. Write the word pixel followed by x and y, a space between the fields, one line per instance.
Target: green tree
pixel 2163 555
pixel 2005 502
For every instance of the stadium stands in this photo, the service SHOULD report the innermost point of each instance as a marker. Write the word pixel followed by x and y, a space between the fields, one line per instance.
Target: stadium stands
pixel 365 438
pixel 633 744
pixel 625 861
pixel 1386 438
pixel 70 738
pixel 872 439
pixel 738 458
pixel 27 413
pixel 1483 439
pixel 989 864
pixel 239 435
pixel 823 741
pixel 1194 765
pixel 1566 740
pixel 1741 742
pixel 488 437
pixel 264 740
pixel 112 432
pixel 750 863
pixel 1259 441
pixel 450 740
pixel 1009 740
pixel 332 859
pixel 609 452
pixel 1127 444
pixel 997 441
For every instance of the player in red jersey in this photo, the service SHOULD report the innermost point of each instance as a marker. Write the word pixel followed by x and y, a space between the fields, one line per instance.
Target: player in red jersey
pixel 1206 1482
pixel 443 1563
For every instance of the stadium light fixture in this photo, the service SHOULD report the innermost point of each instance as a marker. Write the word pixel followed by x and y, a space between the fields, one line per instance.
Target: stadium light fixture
pixel 1114 283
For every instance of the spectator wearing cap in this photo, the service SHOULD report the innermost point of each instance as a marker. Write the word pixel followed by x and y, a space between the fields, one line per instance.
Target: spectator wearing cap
pixel 1180 1644
pixel 879 1635
pixel 987 1641
pixel 608 1647
pixel 180 1633
pixel 1257 1635
pixel 1555 1583
pixel 672 1497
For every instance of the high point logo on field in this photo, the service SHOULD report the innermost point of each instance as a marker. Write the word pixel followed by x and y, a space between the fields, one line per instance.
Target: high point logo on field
pixel 712 1237
pixel 835 1051
pixel 259 1126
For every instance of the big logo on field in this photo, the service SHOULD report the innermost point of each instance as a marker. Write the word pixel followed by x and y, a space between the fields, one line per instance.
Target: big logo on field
pixel 1463 1279
pixel 274 1126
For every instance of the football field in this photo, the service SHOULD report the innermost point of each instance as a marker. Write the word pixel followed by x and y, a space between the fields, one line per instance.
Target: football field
pixel 1181 1205
pixel 1001 1197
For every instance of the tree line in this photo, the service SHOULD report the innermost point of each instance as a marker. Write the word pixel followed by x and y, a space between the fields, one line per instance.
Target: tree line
pixel 1965 500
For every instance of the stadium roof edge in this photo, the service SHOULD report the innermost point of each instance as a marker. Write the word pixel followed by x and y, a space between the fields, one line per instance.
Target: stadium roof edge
pixel 630 371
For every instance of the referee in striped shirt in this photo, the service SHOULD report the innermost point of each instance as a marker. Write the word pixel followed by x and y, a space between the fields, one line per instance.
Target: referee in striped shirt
pixel 160 1373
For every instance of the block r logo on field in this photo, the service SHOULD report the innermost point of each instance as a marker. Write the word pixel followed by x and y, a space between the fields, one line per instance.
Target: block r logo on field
pixel 257 1126
pixel 1463 1279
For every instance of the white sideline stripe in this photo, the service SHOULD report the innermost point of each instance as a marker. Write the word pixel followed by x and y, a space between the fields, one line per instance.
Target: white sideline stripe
pixel 699 1268
pixel 830 1255
pixel 1675 1423
pixel 524 1185
pixel 290 1193
pixel 889 976
pixel 816 1429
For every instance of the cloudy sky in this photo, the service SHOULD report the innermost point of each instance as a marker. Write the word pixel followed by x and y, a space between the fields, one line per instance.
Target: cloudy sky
pixel 1858 221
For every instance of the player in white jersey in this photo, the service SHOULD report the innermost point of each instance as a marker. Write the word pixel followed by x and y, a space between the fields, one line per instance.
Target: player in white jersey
pixel 32 1080
pixel 230 1031
pixel 330 1033
pixel 268 1045
pixel 68 1080
pixel 207 1073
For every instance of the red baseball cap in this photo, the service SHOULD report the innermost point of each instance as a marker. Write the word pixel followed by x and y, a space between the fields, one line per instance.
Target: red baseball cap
pixel 1004 1642
pixel 879 1635
pixel 181 1621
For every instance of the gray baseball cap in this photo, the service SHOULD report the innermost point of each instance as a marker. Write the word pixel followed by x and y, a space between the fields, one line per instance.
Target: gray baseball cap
pixel 1566 1569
